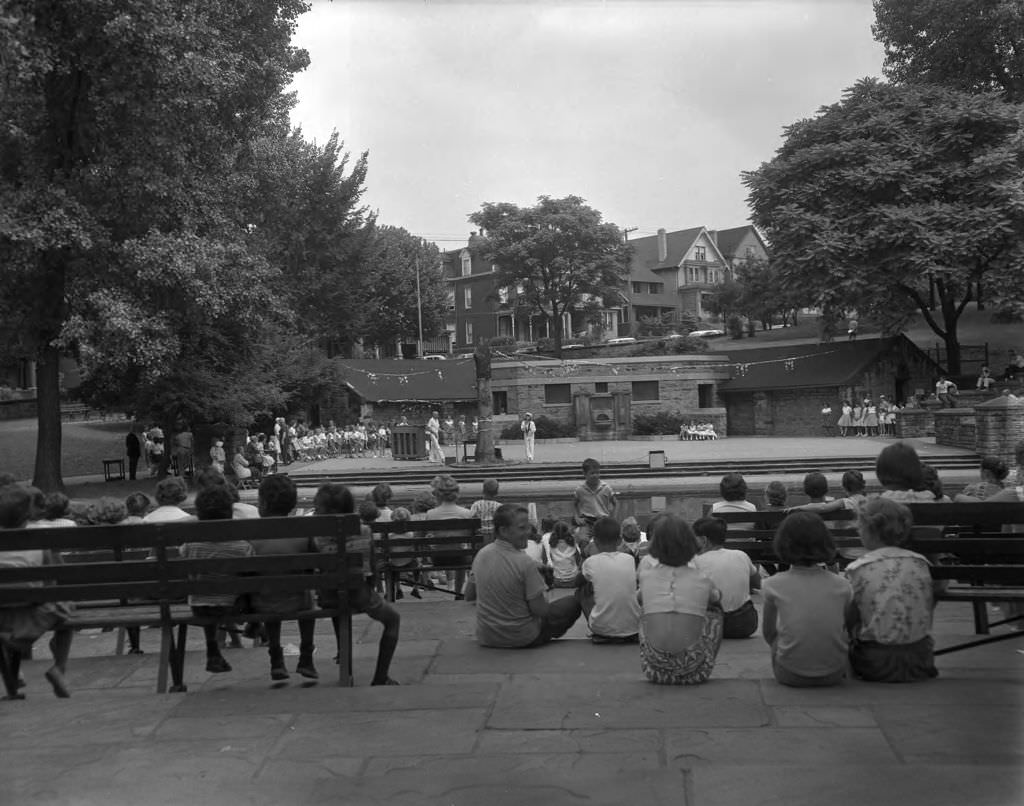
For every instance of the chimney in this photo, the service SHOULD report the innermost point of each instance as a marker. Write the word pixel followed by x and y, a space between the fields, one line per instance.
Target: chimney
pixel 662 245
pixel 713 234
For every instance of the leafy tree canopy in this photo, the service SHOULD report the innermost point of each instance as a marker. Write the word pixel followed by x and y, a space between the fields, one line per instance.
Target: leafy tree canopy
pixel 559 253
pixel 890 188
pixel 972 45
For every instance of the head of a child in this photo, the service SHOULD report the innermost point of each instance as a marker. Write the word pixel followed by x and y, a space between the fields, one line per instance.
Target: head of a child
pixel 547 523
pixel 776 494
pixel 137 504
pixel 446 488
pixel 368 511
pixel 932 482
pixel 15 506
pixel 630 532
pixel 803 539
pixel 606 534
pixel 333 499
pixel 883 522
pixel 381 495
pixel 534 536
pixel 815 486
pixel 712 530
pixel 170 491
pixel 490 489
pixel 672 541
pixel 853 482
pixel 400 519
pixel 592 472
pixel 214 503
pixel 212 477
pixel 423 501
pixel 993 469
pixel 561 532
pixel 277 496
pixel 37 503
pixel 733 487
pixel 108 511
pixel 55 505
pixel 898 467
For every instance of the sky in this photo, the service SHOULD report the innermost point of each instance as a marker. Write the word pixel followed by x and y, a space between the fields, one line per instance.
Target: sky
pixel 647 109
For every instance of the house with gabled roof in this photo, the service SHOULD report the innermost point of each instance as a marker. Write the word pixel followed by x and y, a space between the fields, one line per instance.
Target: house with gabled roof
pixel 673 272
pixel 740 244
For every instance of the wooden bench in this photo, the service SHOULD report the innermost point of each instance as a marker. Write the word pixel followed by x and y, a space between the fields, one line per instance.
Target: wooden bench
pixel 113 585
pixel 443 545
pixel 69 412
pixel 978 561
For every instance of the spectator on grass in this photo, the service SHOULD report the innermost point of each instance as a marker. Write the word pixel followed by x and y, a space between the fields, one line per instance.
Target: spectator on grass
pixel 335 499
pixel 240 466
pixel 277 498
pixel 170 493
pixel 214 502
pixel 608 597
pixel 890 618
pixel 512 610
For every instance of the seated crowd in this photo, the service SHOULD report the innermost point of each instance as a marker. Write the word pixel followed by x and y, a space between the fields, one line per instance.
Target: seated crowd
pixel 677 591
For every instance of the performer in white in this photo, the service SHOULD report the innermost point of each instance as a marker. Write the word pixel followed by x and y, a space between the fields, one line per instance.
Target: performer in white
pixel 529 428
pixel 434 452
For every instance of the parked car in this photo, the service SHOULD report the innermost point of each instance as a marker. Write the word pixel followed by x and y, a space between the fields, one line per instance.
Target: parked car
pixel 623 340
pixel 434 358
pixel 707 334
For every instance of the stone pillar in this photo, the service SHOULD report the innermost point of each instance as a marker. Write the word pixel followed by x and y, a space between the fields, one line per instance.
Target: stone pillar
pixel 623 414
pixel 999 426
pixel 911 423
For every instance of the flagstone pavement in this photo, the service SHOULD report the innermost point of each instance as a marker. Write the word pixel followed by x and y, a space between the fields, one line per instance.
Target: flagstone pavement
pixel 569 723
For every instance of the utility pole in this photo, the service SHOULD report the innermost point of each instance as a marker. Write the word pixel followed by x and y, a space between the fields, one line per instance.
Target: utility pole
pixel 626 231
pixel 419 310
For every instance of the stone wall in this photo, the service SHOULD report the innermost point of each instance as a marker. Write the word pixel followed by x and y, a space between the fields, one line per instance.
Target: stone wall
pixel 955 427
pixel 915 423
pixel 999 425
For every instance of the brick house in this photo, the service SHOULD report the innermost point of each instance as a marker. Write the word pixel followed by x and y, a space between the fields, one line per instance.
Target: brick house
pixel 780 391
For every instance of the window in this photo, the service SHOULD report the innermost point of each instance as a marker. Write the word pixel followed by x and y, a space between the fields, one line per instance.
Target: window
pixel 706 395
pixel 601 388
pixel 657 288
pixel 467 264
pixel 638 288
pixel 499 401
pixel 750 252
pixel 557 393
pixel 467 297
pixel 503 296
pixel 700 253
pixel 645 391
pixel 469 332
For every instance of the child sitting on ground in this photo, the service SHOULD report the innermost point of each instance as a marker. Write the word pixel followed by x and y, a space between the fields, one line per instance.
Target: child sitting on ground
pixel 890 618
pixel 733 574
pixel 609 595
pixel 563 557
pixel 681 625
pixel 804 607
pixel 483 508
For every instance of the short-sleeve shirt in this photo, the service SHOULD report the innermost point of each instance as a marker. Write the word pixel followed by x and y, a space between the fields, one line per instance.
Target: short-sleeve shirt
pixel 730 570
pixel 673 589
pixel 810 605
pixel 892 590
pixel 597 503
pixel 616 612
pixel 212 551
pixel 506 579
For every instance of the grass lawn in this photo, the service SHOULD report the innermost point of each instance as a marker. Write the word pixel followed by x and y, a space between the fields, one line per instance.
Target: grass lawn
pixel 84 446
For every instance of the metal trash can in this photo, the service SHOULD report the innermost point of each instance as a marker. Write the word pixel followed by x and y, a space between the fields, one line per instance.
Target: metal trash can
pixel 409 442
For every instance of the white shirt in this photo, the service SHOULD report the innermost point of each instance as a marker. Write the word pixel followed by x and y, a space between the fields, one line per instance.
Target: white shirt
pixel 616 612
pixel 730 570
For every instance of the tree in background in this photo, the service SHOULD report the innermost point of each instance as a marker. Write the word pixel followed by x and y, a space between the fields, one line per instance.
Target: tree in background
pixel 387 289
pixel 125 128
pixel 972 45
pixel 891 188
pixel 558 252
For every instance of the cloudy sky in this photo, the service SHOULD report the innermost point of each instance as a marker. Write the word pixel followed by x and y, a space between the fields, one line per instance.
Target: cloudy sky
pixel 648 109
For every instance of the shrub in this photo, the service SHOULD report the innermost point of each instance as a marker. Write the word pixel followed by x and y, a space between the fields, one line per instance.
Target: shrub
pixel 503 341
pixel 546 429
pixel 1008 315
pixel 734 326
pixel 658 423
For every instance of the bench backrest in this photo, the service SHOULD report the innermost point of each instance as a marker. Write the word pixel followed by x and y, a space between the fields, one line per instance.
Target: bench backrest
pixel 448 541
pixel 98 571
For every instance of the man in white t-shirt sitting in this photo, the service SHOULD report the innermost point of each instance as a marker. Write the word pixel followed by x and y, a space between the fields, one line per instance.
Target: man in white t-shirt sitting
pixel 733 573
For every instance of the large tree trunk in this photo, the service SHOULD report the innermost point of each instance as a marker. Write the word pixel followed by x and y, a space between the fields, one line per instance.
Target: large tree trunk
pixel 47 476
pixel 485 433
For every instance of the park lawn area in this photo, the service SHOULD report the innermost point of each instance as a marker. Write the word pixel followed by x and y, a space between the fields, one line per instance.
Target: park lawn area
pixel 84 446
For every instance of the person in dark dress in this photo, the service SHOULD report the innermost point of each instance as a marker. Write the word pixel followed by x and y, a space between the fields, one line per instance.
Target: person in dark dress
pixel 133 450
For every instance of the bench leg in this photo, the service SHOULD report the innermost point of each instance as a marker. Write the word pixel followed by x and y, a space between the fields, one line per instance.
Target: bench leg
pixel 980 618
pixel 166 643
pixel 119 648
pixel 178 661
pixel 344 639
pixel 9 671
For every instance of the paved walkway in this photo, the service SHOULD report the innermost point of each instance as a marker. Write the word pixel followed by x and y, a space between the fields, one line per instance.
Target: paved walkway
pixel 570 723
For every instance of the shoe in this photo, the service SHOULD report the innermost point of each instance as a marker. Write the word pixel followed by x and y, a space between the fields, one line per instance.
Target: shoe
pixel 415 593
pixel 135 651
pixel 387 682
pixel 306 668
pixel 277 669
pixel 217 664
pixel 56 679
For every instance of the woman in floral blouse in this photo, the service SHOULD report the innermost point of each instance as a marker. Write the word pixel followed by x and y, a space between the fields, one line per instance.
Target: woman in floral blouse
pixel 890 618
